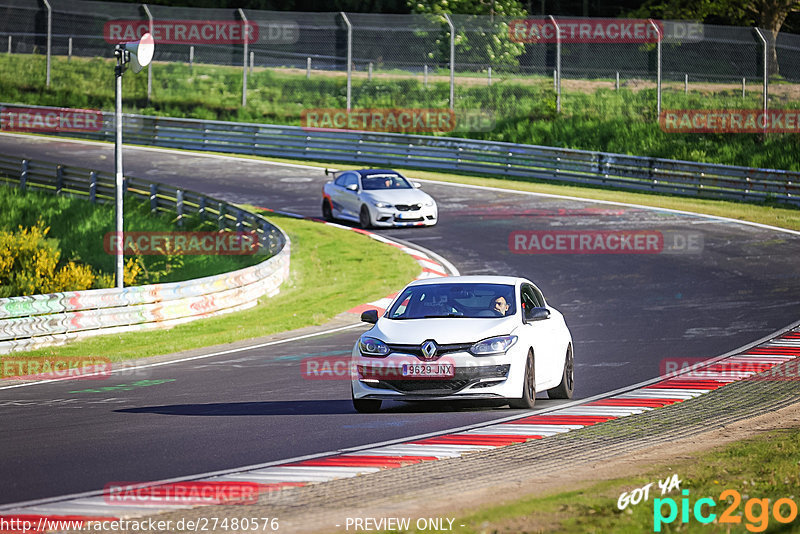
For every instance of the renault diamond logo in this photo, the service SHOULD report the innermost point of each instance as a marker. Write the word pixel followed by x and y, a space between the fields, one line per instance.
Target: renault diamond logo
pixel 429 349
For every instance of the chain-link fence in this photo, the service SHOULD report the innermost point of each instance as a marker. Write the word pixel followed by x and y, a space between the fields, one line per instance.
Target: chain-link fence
pixel 276 64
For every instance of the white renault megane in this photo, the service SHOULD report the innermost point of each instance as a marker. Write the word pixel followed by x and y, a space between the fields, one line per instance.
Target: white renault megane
pixel 464 337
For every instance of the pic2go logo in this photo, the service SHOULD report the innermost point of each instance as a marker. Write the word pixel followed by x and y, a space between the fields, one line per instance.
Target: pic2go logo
pixel 756 511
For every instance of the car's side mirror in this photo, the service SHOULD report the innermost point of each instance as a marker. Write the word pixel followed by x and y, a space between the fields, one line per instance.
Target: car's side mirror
pixel 352 187
pixel 536 314
pixel 370 316
pixel 416 185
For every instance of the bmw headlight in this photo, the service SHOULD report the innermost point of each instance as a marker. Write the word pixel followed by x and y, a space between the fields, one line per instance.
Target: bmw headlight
pixel 381 204
pixel 428 203
pixel 493 345
pixel 370 346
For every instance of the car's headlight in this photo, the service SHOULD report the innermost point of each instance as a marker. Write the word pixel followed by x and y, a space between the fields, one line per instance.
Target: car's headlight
pixel 493 345
pixel 429 203
pixel 369 346
pixel 381 204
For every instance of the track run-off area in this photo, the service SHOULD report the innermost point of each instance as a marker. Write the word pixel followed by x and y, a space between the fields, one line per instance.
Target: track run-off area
pixel 712 286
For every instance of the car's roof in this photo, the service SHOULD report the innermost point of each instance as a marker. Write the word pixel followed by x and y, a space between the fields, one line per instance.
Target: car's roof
pixel 372 172
pixel 472 279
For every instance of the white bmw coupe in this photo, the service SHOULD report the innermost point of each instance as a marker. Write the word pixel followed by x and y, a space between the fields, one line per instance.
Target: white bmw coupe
pixel 380 198
pixel 464 337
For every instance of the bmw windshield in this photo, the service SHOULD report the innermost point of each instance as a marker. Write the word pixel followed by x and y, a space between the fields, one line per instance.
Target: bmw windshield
pixel 454 300
pixel 374 182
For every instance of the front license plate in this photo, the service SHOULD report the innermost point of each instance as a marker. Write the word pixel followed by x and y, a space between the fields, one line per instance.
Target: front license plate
pixel 429 370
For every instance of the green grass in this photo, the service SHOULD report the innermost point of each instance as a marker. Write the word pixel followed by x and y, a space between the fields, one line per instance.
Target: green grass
pixel 79 227
pixel 332 270
pixel 763 467
pixel 614 121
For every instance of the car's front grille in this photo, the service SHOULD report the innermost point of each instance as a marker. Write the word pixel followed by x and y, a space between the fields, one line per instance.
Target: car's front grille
pixel 441 350
pixel 408 207
pixel 463 378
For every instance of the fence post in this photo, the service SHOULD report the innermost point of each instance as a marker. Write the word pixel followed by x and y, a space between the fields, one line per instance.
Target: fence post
pixel 558 63
pixel 49 36
pixel 69 50
pixel 153 197
pixel 686 84
pixel 452 60
pixel 766 74
pixel 658 68
pixel 179 206
pixel 489 74
pixel 617 84
pixel 9 44
pixel 244 58
pixel 369 75
pixel 308 68
pixel 349 57
pixel 425 75
pixel 23 177
pixel 93 187
pixel 191 58
pixel 59 178
pixel 743 86
pixel 150 65
pixel 252 60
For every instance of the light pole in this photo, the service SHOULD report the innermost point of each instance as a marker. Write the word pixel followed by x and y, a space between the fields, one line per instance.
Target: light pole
pixel 139 53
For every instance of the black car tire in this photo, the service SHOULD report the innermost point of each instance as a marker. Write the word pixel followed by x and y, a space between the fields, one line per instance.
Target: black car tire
pixel 528 398
pixel 364 218
pixel 567 386
pixel 327 212
pixel 367 405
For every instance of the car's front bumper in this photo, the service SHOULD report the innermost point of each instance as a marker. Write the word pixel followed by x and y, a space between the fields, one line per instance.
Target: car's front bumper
pixel 387 217
pixel 484 377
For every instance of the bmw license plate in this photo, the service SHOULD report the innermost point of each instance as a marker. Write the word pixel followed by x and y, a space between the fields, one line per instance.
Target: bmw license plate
pixel 429 370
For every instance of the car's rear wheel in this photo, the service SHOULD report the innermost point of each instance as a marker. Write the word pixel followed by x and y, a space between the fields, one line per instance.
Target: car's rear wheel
pixel 528 398
pixel 565 388
pixel 367 405
pixel 364 218
pixel 327 212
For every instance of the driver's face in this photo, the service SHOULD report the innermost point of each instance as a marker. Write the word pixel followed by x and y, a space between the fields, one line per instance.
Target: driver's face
pixel 500 305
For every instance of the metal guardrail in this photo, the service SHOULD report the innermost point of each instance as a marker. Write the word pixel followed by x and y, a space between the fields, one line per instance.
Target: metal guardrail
pixel 29 322
pixel 490 158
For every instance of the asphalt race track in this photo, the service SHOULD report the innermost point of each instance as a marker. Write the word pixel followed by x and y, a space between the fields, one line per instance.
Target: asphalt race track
pixel 721 285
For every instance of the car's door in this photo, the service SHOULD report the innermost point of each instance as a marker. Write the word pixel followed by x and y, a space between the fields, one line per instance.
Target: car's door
pixel 542 335
pixel 342 197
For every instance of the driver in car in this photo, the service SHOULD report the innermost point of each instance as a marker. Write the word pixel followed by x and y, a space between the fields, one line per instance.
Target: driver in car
pixel 499 306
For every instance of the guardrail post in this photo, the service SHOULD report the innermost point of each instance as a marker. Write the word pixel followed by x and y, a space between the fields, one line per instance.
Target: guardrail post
pixel 59 178
pixel 124 184
pixel 239 219
pixel 179 206
pixel 92 187
pixel 221 216
pixel 23 177
pixel 201 208
pixel 153 197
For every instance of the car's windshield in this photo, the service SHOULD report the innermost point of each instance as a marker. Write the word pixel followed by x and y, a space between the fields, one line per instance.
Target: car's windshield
pixel 454 300
pixel 384 181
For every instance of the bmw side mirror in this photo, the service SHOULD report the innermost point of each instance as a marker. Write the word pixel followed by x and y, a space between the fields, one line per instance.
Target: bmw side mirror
pixel 536 314
pixel 352 187
pixel 416 185
pixel 370 316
